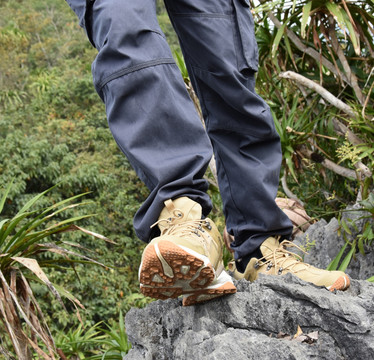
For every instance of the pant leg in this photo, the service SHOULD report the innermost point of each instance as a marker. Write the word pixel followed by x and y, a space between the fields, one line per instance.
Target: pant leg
pixel 150 114
pixel 219 46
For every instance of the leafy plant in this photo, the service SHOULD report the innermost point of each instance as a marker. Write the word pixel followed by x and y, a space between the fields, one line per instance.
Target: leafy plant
pixel 116 344
pixel 325 49
pixel 81 342
pixel 365 238
pixel 98 342
pixel 23 242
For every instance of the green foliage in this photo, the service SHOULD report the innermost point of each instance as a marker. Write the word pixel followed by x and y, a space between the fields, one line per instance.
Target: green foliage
pixel 319 40
pixel 24 240
pixel 98 342
pixel 116 344
pixel 53 129
pixel 331 43
pixel 79 343
pixel 361 240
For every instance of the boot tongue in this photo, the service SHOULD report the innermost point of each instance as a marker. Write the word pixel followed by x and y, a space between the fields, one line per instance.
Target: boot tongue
pixel 268 246
pixel 187 208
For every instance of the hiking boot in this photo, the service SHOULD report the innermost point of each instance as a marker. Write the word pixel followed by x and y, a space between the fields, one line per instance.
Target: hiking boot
pixel 186 259
pixel 277 260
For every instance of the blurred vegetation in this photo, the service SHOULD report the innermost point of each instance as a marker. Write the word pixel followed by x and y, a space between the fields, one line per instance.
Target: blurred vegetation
pixel 53 130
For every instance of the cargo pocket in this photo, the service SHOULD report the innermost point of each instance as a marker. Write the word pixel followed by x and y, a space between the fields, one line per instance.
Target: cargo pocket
pixel 245 36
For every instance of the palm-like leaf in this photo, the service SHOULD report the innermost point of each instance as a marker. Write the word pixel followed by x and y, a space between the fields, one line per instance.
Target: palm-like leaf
pixel 23 239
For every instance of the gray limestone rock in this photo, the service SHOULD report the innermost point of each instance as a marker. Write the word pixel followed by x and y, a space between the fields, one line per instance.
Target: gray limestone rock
pixel 254 324
pixel 328 242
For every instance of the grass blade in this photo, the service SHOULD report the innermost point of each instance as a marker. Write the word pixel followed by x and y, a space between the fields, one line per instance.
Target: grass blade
pixel 334 264
pixel 347 259
pixel 34 200
pixel 306 11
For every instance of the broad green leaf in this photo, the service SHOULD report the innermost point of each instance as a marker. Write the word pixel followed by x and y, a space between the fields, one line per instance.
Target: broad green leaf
pixel 344 23
pixel 37 221
pixel 371 279
pixel 181 64
pixel 306 11
pixel 278 127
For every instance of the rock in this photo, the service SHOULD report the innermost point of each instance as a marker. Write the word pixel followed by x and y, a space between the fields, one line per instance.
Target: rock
pixel 259 322
pixel 327 242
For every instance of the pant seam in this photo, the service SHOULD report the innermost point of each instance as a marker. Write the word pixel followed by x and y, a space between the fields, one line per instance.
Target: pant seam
pixel 125 71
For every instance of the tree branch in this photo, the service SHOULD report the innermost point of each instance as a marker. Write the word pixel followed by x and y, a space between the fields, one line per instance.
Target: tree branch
pixel 338 126
pixel 320 90
pixel 287 190
pixel 308 50
pixel 328 164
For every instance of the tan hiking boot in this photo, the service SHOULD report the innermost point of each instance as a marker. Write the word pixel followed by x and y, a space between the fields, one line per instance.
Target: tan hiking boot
pixel 186 259
pixel 277 260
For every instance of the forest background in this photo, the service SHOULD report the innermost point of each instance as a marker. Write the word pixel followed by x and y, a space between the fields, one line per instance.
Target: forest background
pixel 316 74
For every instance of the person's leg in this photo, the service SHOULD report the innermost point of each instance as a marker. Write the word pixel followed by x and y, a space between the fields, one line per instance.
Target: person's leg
pixel 149 112
pixel 217 38
pixel 219 46
pixel 156 125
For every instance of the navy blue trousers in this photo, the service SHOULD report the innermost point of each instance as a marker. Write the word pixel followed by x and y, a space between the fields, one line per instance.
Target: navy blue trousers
pixel 154 121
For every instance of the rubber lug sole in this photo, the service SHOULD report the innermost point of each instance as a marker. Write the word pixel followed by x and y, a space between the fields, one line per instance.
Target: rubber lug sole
pixel 342 283
pixel 169 271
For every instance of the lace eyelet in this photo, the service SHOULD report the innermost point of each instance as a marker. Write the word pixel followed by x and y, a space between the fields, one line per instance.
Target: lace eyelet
pixel 280 271
pixel 207 224
pixel 256 265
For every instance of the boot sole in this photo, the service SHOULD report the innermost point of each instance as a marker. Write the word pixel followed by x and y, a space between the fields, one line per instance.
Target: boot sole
pixel 342 283
pixel 169 271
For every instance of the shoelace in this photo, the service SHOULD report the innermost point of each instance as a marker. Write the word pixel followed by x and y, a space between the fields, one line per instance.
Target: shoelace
pixel 279 256
pixel 188 227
